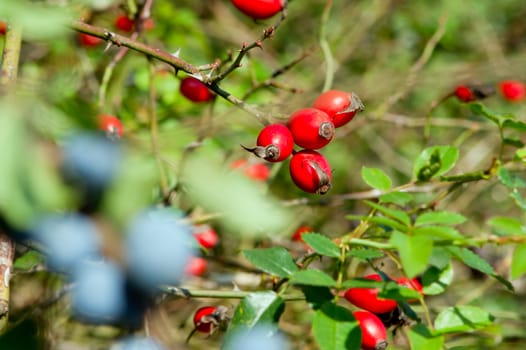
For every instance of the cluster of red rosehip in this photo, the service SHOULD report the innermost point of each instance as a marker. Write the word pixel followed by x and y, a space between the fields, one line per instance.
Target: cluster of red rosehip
pixel 511 90
pixel 311 129
pixel 377 313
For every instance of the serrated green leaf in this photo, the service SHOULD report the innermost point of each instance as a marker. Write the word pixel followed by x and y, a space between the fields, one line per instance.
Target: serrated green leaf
pixel 476 262
pixel 312 277
pixel 275 261
pixel 28 260
pixel 256 308
pixel 438 232
pixel 414 251
pixel 321 244
pixel 421 338
pixel 434 161
pixel 439 218
pixel 518 261
pixel 435 280
pixel 396 214
pixel 398 198
pixel 510 179
pixel 365 254
pixel 504 226
pixel 335 328
pixel 360 282
pixel 462 319
pixel 376 178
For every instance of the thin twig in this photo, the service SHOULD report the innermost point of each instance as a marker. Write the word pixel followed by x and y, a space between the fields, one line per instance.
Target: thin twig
pixel 326 49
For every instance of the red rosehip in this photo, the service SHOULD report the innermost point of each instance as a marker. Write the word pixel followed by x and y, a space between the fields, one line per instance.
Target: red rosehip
pixel 208 318
pixel 3 27
pixel 124 23
pixel 464 93
pixel 513 90
pixel 311 172
pixel 311 128
pixel 148 24
pixel 206 236
pixel 196 266
pixel 274 143
pixel 194 90
pixel 374 334
pixel 296 237
pixel 259 9
pixel 256 171
pixel 89 40
pixel 111 125
pixel 412 283
pixel 367 298
pixel 341 106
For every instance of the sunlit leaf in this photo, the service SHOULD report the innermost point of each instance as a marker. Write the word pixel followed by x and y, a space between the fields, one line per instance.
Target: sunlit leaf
pixel 376 178
pixel 462 319
pixel 334 327
pixel 275 261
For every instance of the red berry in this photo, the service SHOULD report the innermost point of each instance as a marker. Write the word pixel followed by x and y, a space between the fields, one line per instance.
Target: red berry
pixel 513 90
pixel 204 319
pixel 111 124
pixel 194 90
pixel 148 24
pixel 412 283
pixel 311 172
pixel 259 9
pixel 124 23
pixel 341 106
pixel 296 237
pixel 89 40
pixel 311 128
pixel 255 171
pixel 367 298
pixel 464 93
pixel 206 236
pixel 3 27
pixel 374 334
pixel 274 143
pixel 196 266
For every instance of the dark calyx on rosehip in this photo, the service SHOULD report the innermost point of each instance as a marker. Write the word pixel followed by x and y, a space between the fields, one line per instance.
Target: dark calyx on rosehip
pixel 311 172
pixel 210 318
pixel 274 143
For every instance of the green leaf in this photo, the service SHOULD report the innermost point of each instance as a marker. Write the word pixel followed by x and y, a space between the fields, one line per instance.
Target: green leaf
pixel 275 261
pixel 504 226
pixel 476 262
pixel 462 319
pixel 376 178
pixel 435 280
pixel 316 296
pixel 365 254
pixel 439 218
pixel 335 328
pixel 360 282
pixel 434 161
pixel 438 232
pixel 396 214
pixel 518 199
pixel 394 291
pixel 312 277
pixel 421 338
pixel 513 141
pixel 480 109
pixel 398 198
pixel 510 179
pixel 28 261
pixel 414 251
pixel 514 124
pixel 321 244
pixel 518 262
pixel 256 308
pixel 381 221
